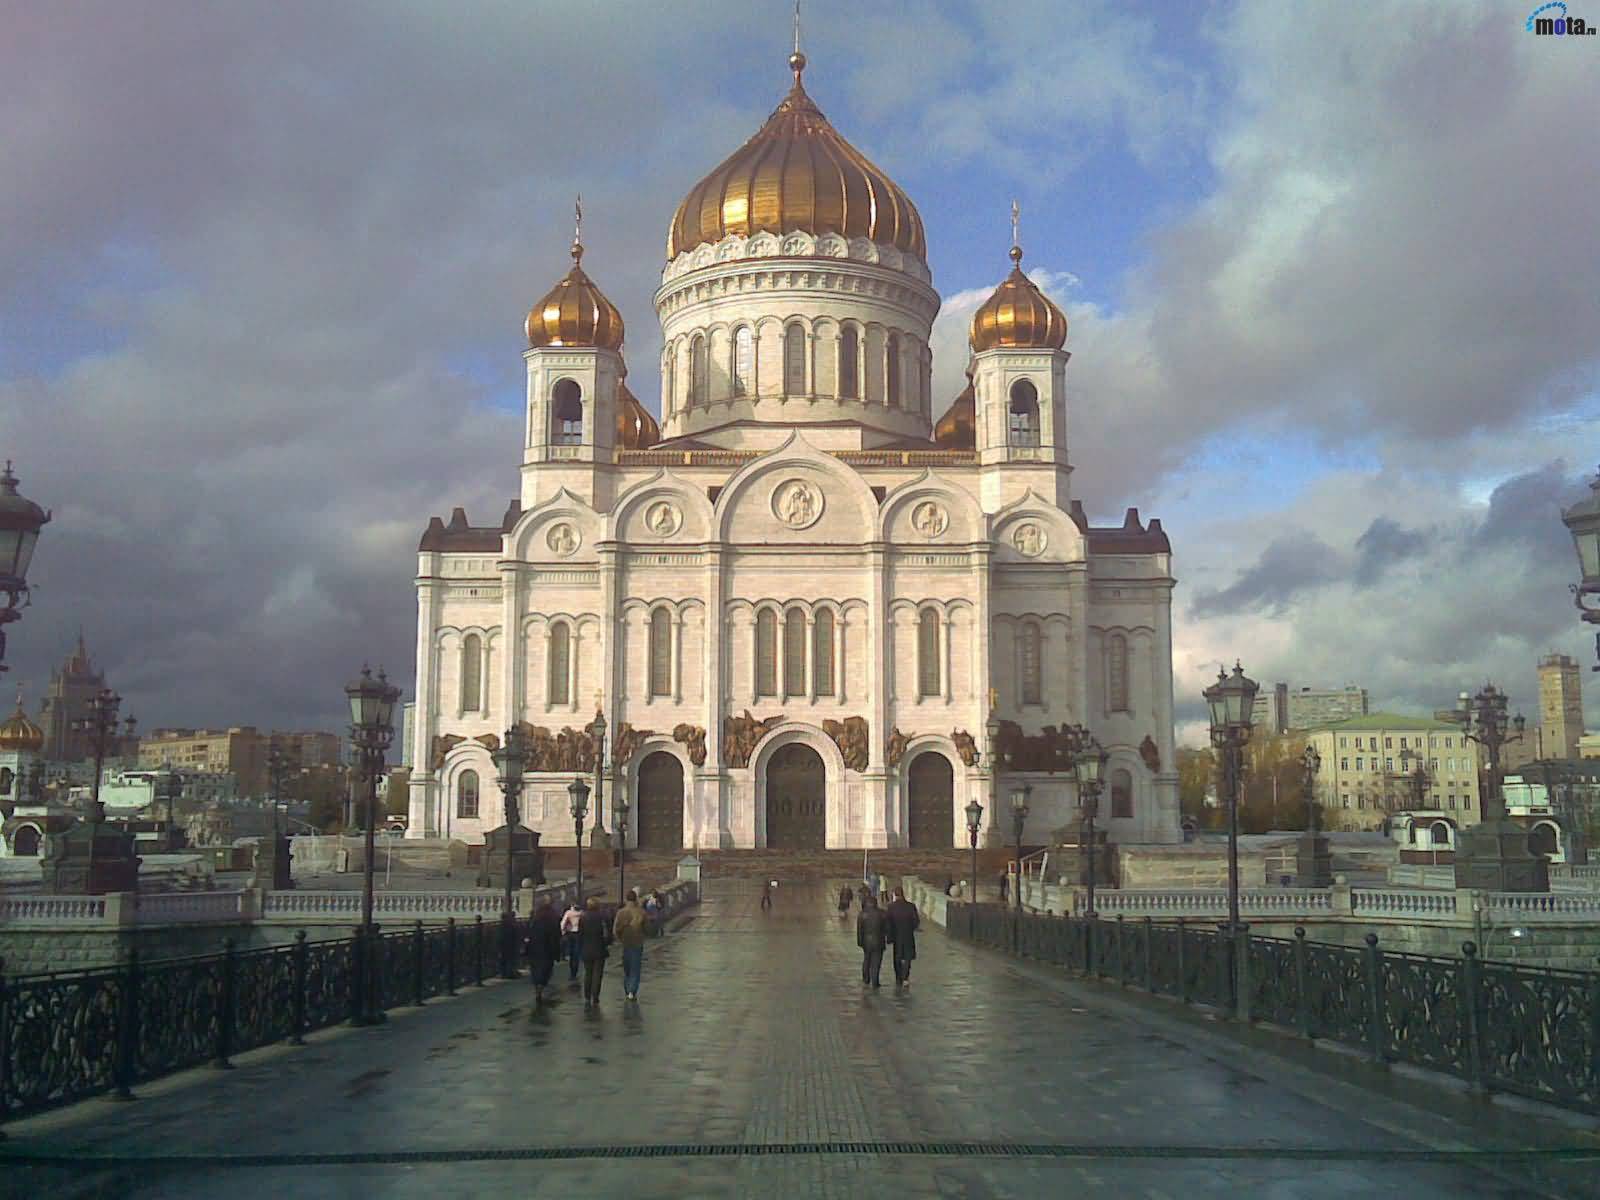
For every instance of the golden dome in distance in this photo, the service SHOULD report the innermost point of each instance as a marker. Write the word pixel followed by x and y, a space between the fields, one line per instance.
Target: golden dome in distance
pixel 1018 314
pixel 797 173
pixel 636 428
pixel 19 733
pixel 958 429
pixel 575 312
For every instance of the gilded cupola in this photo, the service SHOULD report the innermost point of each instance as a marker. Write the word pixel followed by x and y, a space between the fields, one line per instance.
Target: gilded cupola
pixel 958 429
pixel 1018 314
pixel 636 428
pixel 19 733
pixel 575 312
pixel 797 173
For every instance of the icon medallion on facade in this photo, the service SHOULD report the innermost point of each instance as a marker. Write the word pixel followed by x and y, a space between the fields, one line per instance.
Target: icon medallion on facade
pixel 1029 540
pixel 929 519
pixel 562 539
pixel 797 504
pixel 663 519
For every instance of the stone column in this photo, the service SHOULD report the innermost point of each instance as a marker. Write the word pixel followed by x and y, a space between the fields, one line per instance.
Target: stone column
pixel 424 799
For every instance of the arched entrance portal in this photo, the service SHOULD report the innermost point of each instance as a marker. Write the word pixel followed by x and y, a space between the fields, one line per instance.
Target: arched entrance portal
pixel 796 799
pixel 25 842
pixel 1542 839
pixel 933 802
pixel 660 802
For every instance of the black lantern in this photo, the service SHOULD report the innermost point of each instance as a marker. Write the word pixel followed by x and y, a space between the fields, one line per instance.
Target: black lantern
pixel 578 803
pixel 372 704
pixel 20 522
pixel 1583 519
pixel 1230 700
pixel 509 761
pixel 1089 765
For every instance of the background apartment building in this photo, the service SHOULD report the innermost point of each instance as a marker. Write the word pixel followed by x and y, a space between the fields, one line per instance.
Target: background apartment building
pixel 1367 762
pixel 1282 710
pixel 240 751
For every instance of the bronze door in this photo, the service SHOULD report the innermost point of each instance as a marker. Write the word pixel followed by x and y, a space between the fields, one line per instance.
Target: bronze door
pixel 932 814
pixel 796 799
pixel 660 802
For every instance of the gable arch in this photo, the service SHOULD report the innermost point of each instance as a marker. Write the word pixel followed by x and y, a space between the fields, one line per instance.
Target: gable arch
pixel 962 512
pixel 743 510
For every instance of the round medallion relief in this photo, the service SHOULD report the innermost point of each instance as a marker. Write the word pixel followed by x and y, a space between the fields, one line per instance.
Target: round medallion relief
pixel 797 503
pixel 663 518
pixel 929 519
pixel 1029 539
pixel 562 539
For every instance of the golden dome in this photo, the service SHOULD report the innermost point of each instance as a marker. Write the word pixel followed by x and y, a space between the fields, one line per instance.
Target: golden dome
pixel 19 733
pixel 797 173
pixel 575 313
pixel 636 428
pixel 957 429
pixel 1018 314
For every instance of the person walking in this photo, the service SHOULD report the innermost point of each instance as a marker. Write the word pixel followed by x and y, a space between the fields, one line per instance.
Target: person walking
pixel 569 939
pixel 629 930
pixel 652 914
pixel 1005 888
pixel 846 896
pixel 871 933
pixel 594 935
pixel 766 895
pixel 903 919
pixel 543 948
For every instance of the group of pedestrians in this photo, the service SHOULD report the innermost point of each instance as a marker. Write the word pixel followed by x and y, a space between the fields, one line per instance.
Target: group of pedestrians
pixel 880 928
pixel 584 936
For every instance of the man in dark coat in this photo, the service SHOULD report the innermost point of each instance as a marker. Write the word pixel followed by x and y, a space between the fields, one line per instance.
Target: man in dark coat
pixel 872 930
pixel 903 919
pixel 594 935
pixel 543 948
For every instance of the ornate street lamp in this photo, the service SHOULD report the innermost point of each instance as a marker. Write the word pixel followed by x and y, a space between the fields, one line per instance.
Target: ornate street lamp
pixel 578 803
pixel 1230 700
pixel 1313 863
pixel 100 724
pixel 510 760
pixel 619 816
pixel 974 823
pixel 279 764
pixel 596 730
pixel 372 704
pixel 1583 519
pixel 169 784
pixel 1493 855
pixel 20 522
pixel 1089 763
pixel 1019 816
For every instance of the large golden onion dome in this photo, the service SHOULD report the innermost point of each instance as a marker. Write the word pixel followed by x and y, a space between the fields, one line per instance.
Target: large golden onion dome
pixel 1018 314
pixel 958 428
pixel 636 428
pixel 575 313
pixel 19 733
pixel 797 173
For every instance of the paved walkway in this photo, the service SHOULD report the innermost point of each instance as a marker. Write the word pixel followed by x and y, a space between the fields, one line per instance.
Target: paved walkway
pixel 753 1030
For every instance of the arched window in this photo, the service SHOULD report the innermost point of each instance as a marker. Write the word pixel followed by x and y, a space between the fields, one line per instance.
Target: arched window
pixel 566 414
pixel 850 363
pixel 794 653
pixel 660 653
pixel 766 653
pixel 1121 794
pixel 822 653
pixel 1117 674
pixel 1024 414
pixel 471 673
pixel 6 776
pixel 467 794
pixel 891 370
pixel 560 664
pixel 1032 648
pixel 928 653
pixel 699 370
pixel 744 361
pixel 794 361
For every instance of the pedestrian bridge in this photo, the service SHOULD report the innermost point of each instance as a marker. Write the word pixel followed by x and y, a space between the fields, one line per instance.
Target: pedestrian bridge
pixel 755 1064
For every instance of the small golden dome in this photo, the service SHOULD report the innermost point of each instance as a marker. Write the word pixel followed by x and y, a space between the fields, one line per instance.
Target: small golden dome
pixel 797 173
pixel 19 733
pixel 575 313
pixel 636 428
pixel 1018 314
pixel 957 429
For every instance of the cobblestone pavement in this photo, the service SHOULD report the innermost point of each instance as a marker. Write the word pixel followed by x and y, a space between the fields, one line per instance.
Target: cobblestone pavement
pixel 753 1029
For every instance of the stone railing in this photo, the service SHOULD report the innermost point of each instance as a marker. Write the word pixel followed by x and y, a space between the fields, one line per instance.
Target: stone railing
pixel 52 910
pixel 297 907
pixel 1412 904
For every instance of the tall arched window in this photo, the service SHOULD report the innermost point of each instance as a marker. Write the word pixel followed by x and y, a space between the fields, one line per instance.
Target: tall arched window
pixel 1024 414
pixel 560 664
pixel 766 653
pixel 1031 648
pixel 660 653
pixel 471 673
pixel 794 653
pixel 467 794
pixel 1121 793
pixel 744 361
pixel 850 363
pixel 928 653
pixel 891 371
pixel 822 653
pixel 1117 674
pixel 794 361
pixel 699 371
pixel 566 414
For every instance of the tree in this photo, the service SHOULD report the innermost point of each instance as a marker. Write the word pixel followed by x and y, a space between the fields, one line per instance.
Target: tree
pixel 1196 769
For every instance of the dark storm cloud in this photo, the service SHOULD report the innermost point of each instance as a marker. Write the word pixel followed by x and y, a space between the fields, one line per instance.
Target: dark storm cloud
pixel 1525 511
pixel 1289 566
pixel 1385 544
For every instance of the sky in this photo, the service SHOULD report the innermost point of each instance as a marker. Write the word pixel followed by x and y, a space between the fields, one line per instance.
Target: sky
pixel 1330 270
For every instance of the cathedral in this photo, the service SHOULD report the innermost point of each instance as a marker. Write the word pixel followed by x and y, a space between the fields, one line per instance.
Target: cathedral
pixel 804 605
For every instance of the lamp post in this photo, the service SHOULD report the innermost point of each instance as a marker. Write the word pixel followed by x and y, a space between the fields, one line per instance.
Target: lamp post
pixel 974 823
pixel 1493 855
pixel 1019 816
pixel 372 704
pixel 578 802
pixel 1089 763
pixel 279 765
pixel 619 815
pixel 596 730
pixel 1313 863
pixel 509 761
pixel 171 785
pixel 1230 700
pixel 1583 519
pixel 20 522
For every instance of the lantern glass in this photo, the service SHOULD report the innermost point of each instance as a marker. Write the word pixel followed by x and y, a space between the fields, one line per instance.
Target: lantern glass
pixel 974 816
pixel 1583 519
pixel 1019 800
pixel 1090 763
pixel 578 798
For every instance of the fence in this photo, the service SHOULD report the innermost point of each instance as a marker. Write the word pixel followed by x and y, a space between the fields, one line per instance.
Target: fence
pixel 1530 1031
pixel 68 1036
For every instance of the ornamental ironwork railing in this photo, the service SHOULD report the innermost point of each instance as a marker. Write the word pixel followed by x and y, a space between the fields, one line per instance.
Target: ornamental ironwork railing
pixel 1530 1031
